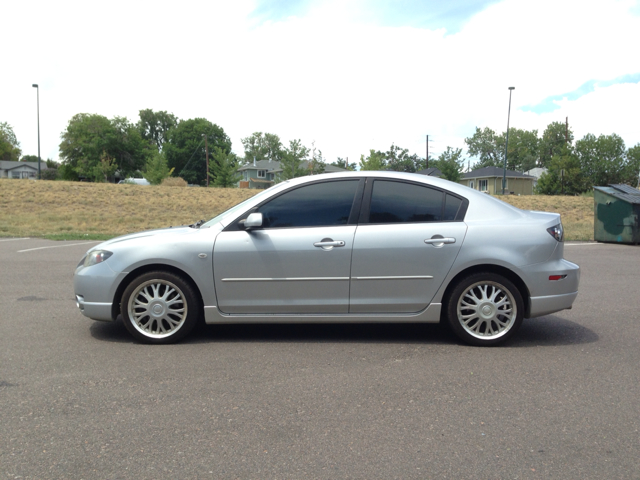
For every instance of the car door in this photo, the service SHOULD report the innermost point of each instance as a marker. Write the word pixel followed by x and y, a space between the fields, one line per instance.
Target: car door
pixel 299 261
pixel 406 242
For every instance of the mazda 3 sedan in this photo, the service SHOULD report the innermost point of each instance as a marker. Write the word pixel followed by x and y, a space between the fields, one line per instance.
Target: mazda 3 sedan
pixel 338 247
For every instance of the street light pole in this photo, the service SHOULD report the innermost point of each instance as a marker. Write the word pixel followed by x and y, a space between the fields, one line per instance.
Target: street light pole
pixel 506 146
pixel 35 85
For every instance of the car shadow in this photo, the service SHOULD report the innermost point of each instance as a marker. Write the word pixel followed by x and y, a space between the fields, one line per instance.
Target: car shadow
pixel 536 332
pixel 552 330
pixel 111 331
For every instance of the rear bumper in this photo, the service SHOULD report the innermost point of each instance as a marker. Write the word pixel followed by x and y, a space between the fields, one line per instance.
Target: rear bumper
pixel 551 303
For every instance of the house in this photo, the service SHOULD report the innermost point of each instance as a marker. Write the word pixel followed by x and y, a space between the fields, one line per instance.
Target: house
pixel 264 173
pixel 536 173
pixel 11 169
pixel 489 179
pixel 431 172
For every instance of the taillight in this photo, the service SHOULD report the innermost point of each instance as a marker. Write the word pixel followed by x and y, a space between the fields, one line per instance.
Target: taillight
pixel 557 232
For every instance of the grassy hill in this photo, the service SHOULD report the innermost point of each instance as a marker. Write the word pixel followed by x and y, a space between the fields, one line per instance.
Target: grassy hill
pixel 72 210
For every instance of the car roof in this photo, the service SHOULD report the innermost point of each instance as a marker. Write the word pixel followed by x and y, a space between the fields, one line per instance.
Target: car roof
pixel 481 205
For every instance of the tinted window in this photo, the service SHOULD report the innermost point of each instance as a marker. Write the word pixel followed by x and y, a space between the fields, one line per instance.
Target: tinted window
pixel 451 207
pixel 396 202
pixel 321 204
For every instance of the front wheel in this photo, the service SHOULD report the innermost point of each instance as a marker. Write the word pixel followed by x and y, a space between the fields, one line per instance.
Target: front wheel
pixel 485 309
pixel 160 307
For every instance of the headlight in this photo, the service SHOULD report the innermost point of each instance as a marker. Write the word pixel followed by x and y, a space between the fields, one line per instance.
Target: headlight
pixel 97 256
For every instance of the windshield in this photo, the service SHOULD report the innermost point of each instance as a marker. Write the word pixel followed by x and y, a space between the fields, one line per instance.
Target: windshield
pixel 237 209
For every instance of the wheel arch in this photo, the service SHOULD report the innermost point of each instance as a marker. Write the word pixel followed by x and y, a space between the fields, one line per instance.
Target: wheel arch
pixel 499 270
pixel 115 306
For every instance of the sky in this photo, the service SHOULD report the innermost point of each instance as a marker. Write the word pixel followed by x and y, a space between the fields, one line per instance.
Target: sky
pixel 344 75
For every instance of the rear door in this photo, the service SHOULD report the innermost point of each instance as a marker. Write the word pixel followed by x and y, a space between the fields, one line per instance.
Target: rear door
pixel 406 242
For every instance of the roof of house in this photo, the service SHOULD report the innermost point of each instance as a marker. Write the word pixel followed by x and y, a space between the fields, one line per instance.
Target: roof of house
pixel 431 172
pixel 10 165
pixel 261 165
pixel 275 167
pixel 537 172
pixel 494 172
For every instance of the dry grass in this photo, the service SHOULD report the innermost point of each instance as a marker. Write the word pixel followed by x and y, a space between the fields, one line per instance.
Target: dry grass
pixel 80 210
pixel 577 212
pixel 100 210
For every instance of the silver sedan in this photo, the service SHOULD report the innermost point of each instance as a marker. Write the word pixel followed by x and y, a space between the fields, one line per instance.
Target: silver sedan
pixel 339 247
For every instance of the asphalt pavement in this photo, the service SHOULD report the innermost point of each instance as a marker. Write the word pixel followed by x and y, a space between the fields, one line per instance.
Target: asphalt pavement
pixel 80 399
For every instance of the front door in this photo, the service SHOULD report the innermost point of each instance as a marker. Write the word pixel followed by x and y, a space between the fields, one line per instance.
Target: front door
pixel 298 262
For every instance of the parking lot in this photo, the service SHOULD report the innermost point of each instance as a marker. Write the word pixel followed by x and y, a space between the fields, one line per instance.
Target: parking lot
pixel 81 399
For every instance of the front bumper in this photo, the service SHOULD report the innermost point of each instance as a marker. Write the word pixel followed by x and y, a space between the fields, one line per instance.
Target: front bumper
pixel 94 310
pixel 95 288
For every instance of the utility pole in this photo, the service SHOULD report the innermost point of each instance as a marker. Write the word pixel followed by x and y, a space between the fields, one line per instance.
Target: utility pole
pixel 566 131
pixel 35 85
pixel 427 158
pixel 206 149
pixel 427 151
pixel 506 146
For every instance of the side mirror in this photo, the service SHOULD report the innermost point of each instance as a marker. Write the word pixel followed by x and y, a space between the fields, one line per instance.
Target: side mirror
pixel 252 221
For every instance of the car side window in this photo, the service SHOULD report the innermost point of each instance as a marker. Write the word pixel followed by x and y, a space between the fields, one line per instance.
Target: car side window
pixel 319 204
pixel 451 207
pixel 399 202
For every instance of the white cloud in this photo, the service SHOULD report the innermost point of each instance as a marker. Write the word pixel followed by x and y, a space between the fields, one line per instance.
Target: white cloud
pixel 328 77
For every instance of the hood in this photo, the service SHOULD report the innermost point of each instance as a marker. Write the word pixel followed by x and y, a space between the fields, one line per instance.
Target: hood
pixel 164 232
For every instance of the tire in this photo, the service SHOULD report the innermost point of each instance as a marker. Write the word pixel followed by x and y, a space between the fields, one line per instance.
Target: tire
pixel 160 307
pixel 485 309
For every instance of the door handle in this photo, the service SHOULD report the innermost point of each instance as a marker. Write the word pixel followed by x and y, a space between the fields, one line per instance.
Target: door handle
pixel 439 241
pixel 329 243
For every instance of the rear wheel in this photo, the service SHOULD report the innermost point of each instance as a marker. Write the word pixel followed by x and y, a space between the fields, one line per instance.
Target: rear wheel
pixel 485 309
pixel 160 307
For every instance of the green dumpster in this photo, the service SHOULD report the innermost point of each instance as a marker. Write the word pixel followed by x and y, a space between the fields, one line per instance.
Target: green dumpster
pixel 616 211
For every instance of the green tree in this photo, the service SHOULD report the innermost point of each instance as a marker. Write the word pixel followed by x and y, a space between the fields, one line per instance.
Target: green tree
pixel 185 148
pixel 224 168
pixel 29 158
pixel 154 126
pixel 9 145
pixel 563 175
pixel 554 138
pixel 262 146
pixel 488 147
pixel 92 145
pixel 344 163
pixel 399 160
pixel 374 161
pixel 316 164
pixel 450 163
pixel 632 173
pixel 156 169
pixel 523 152
pixel 603 159
pixel 485 145
pixel 130 151
pixel 292 158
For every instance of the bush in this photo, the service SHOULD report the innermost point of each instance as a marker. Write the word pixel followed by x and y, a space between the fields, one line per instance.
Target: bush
pixel 49 174
pixel 174 182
